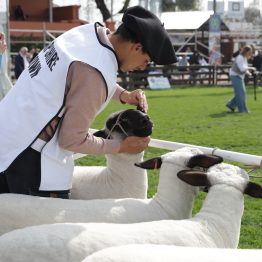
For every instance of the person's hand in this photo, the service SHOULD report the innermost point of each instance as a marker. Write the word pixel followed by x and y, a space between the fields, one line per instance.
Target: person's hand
pixel 248 73
pixel 251 68
pixel 2 43
pixel 134 144
pixel 136 97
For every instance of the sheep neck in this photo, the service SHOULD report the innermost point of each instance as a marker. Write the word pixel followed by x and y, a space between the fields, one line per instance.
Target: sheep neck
pixel 122 171
pixel 173 195
pixel 222 210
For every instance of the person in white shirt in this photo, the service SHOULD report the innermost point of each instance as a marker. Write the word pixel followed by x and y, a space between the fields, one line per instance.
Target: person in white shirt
pixel 237 74
pixel 2 45
pixel 46 116
pixel 21 61
pixel 5 83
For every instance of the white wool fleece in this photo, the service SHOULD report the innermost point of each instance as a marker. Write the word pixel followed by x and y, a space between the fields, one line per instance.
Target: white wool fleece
pixel 173 200
pixel 165 253
pixel 120 178
pixel 217 225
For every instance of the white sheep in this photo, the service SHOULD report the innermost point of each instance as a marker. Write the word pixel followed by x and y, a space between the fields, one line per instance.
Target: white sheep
pixel 173 200
pixel 169 253
pixel 217 225
pixel 120 178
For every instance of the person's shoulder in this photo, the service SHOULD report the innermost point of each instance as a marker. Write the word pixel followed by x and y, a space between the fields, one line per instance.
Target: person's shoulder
pixel 80 69
pixel 79 65
pixel 240 58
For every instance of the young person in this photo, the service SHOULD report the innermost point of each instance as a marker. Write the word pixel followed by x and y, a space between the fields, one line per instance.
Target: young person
pixel 46 116
pixel 237 74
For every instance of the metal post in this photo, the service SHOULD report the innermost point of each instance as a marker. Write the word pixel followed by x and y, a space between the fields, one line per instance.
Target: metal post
pixel 214 6
pixel 50 11
pixel 7 36
pixel 44 34
pixel 112 9
pixel 255 85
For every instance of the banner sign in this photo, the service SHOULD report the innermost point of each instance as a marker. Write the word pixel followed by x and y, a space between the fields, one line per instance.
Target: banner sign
pixel 158 82
pixel 236 9
pixel 214 40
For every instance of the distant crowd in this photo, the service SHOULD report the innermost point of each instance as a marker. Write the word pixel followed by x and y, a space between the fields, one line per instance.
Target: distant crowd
pixel 23 58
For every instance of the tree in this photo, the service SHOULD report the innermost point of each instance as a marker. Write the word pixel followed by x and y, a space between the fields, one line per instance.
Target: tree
pixel 125 6
pixel 168 5
pixel 252 14
pixel 100 4
pixel 104 10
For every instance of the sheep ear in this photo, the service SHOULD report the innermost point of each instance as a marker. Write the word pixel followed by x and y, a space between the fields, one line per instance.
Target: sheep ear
pixel 101 133
pixel 204 161
pixel 253 190
pixel 193 177
pixel 153 163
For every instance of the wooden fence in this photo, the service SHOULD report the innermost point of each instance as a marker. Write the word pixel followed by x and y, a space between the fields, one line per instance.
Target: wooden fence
pixel 177 75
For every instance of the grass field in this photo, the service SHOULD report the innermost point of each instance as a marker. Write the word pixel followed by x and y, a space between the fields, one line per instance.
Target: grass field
pixel 197 115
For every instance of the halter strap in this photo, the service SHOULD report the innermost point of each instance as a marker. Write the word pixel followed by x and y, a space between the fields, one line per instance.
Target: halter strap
pixel 117 124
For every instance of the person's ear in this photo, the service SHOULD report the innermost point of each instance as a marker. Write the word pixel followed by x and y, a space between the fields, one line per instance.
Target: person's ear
pixel 138 46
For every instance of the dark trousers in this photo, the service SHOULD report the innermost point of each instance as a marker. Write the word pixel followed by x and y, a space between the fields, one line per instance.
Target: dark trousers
pixel 23 176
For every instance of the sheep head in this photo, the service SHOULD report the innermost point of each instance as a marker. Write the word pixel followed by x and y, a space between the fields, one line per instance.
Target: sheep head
pixel 184 157
pixel 222 174
pixel 130 122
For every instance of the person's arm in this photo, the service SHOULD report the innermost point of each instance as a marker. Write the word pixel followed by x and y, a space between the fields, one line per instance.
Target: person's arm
pixel 243 65
pixel 2 46
pixel 87 93
pixel 2 43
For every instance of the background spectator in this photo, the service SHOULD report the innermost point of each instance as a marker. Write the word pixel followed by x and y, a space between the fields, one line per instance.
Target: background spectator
pixel 19 13
pixel 183 64
pixel 193 60
pixel 2 45
pixel 5 83
pixel 237 73
pixel 257 61
pixel 21 61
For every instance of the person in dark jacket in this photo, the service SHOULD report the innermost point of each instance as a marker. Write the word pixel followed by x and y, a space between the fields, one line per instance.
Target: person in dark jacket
pixel 257 61
pixel 21 61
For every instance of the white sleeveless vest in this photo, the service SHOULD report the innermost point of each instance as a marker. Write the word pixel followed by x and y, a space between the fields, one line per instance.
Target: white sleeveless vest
pixel 38 97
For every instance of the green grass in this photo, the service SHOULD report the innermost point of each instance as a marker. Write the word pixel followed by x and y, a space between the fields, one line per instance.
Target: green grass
pixel 197 115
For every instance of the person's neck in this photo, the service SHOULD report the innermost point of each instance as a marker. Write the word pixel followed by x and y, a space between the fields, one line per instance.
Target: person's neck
pixel 118 46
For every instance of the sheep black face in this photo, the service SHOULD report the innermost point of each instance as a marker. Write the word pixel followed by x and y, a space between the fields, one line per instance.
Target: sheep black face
pixel 130 122
pixel 220 174
pixel 202 160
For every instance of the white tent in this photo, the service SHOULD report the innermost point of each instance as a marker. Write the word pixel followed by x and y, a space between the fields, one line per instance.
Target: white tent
pixel 185 20
pixel 188 20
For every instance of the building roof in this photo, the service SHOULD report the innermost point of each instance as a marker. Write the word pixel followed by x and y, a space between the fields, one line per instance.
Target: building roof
pixel 188 20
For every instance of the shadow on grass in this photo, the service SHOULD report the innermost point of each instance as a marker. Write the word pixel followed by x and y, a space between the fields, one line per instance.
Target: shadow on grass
pixel 219 94
pixel 167 96
pixel 224 114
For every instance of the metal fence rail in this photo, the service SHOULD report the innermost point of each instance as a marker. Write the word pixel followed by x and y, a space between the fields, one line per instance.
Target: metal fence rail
pixel 247 159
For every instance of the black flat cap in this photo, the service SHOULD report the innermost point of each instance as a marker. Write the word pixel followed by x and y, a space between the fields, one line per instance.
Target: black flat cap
pixel 151 33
